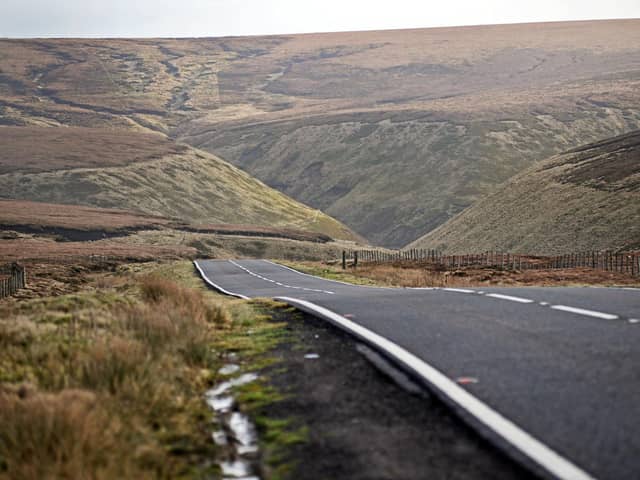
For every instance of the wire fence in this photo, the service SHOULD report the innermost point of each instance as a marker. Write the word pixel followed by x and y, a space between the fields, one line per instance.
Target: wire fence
pixel 621 262
pixel 12 278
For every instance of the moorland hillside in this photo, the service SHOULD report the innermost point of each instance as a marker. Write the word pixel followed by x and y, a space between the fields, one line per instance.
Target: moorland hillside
pixel 585 199
pixel 391 132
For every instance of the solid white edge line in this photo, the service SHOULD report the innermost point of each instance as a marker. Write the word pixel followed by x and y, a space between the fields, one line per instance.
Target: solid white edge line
pixel 589 313
pixel 509 297
pixel 215 286
pixel 522 441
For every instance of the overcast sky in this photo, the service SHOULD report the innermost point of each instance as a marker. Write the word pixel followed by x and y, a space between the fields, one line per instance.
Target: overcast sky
pixel 178 18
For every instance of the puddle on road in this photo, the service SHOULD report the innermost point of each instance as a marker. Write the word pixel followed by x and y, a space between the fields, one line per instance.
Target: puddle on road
pixel 238 435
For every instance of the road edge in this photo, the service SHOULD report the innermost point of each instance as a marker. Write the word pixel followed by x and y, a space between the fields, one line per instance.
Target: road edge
pixel 517 443
pixel 216 286
pixel 502 432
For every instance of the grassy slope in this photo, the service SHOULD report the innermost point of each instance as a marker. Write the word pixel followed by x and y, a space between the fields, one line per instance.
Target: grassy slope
pixel 392 132
pixel 585 199
pixel 396 132
pixel 182 183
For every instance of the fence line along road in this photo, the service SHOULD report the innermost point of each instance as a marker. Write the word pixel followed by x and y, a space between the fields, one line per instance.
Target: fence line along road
pixel 12 278
pixel 622 262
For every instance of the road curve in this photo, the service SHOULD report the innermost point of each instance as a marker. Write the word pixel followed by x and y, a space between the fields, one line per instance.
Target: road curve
pixel 551 375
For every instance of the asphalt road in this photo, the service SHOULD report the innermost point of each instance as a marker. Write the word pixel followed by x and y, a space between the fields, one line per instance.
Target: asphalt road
pixel 551 375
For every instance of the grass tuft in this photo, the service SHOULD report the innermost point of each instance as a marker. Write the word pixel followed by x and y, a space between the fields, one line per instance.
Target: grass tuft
pixel 56 435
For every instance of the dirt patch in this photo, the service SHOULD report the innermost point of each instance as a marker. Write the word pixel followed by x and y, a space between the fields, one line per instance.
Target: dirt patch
pixel 361 424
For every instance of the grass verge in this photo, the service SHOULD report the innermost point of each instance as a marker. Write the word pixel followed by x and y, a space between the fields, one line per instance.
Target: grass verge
pixel 415 275
pixel 108 382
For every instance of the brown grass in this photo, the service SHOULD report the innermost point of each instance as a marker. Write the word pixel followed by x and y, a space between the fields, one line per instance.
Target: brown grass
pixel 39 214
pixel 45 149
pixel 261 231
pixel 410 275
pixel 31 248
pixel 67 434
pixel 108 385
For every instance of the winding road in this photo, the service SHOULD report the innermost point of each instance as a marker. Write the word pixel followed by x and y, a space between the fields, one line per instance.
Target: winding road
pixel 550 375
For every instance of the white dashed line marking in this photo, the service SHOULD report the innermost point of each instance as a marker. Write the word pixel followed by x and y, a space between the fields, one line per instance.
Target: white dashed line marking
pixel 278 283
pixel 588 313
pixel 634 320
pixel 509 297
pixel 459 290
pixel 544 304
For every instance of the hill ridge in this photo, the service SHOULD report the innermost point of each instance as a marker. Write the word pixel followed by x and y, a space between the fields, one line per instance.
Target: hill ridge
pixel 180 182
pixel 587 198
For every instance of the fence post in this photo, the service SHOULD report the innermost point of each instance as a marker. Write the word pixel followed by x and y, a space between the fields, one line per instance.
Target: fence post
pixel 355 259
pixel 344 260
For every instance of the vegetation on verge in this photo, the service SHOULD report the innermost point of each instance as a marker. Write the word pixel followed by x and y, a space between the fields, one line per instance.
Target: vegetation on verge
pixel 109 382
pixel 408 274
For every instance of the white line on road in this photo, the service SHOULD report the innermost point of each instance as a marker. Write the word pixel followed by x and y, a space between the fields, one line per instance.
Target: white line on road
pixel 466 290
pixel 509 297
pixel 217 287
pixel 532 448
pixel 334 281
pixel 582 311
pixel 257 275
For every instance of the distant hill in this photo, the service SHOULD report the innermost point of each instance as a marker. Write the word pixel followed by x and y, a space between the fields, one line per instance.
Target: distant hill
pixel 144 173
pixel 391 132
pixel 585 199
